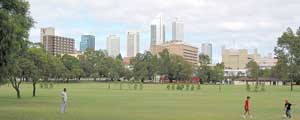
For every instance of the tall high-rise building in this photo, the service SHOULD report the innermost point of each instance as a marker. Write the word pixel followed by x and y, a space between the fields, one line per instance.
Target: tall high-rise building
pixel 113 45
pixel 46 31
pixel 133 41
pixel 57 45
pixel 206 49
pixel 157 31
pixel 178 30
pixel 87 41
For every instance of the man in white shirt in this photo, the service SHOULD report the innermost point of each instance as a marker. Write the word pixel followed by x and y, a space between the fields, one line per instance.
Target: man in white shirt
pixel 64 100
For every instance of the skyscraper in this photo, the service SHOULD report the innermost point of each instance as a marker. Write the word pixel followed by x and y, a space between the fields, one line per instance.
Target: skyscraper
pixel 157 31
pixel 133 40
pixel 206 49
pixel 113 45
pixel 87 41
pixel 178 30
pixel 46 31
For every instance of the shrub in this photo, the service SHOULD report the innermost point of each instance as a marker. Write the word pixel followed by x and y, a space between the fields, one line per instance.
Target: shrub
pixel 263 87
pixel 141 86
pixel 182 86
pixel 198 87
pixel 45 85
pixel 248 87
pixel 173 86
pixel 187 87
pixel 135 86
pixel 192 87
pixel 168 86
pixel 51 85
pixel 178 87
pixel 41 85
pixel 129 86
pixel 256 88
pixel 108 86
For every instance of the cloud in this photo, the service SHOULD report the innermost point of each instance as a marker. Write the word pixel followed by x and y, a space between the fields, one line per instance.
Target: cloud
pixel 255 22
pixel 234 26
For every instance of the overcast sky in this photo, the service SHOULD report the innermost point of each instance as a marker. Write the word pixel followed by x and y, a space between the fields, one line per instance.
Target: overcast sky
pixel 233 23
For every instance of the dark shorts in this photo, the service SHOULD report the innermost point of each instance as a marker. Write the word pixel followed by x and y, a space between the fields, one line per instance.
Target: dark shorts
pixel 246 109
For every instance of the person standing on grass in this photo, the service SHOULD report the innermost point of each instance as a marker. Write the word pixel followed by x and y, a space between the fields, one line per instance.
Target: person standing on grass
pixel 64 100
pixel 247 108
pixel 287 109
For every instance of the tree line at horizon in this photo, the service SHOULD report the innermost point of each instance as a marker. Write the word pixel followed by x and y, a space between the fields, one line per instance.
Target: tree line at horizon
pixel 22 61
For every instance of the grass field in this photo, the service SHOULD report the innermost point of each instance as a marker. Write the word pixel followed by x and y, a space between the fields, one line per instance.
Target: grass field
pixel 93 101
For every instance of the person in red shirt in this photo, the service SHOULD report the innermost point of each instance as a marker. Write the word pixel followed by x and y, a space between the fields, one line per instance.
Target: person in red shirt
pixel 247 108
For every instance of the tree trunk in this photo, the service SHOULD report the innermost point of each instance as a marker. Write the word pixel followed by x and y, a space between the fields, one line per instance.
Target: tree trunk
pixel 291 85
pixel 34 89
pixel 18 92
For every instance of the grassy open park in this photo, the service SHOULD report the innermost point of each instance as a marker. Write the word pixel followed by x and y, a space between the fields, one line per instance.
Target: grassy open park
pixel 93 101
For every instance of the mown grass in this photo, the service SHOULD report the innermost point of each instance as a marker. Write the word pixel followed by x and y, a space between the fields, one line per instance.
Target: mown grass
pixel 93 101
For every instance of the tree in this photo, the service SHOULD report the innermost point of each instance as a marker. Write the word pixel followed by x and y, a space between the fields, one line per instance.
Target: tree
pixel 38 56
pixel 140 71
pixel 265 73
pixel 180 69
pixel 253 69
pixel 56 67
pixel 204 59
pixel 151 65
pixel 72 66
pixel 203 71
pixel 28 70
pixel 101 64
pixel 280 70
pixel 88 62
pixel 164 63
pixel 128 74
pixel 219 71
pixel 15 23
pixel 287 51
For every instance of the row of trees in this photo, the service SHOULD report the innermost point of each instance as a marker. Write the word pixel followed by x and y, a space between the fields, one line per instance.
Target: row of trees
pixel 35 64
pixel 171 67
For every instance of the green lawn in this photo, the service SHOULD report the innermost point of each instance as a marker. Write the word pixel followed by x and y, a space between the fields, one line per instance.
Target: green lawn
pixel 93 101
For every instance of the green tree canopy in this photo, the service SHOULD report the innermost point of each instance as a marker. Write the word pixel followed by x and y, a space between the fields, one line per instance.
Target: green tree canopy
pixel 287 52
pixel 15 23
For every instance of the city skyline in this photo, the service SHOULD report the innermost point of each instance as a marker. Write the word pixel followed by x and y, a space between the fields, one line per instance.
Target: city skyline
pixel 257 24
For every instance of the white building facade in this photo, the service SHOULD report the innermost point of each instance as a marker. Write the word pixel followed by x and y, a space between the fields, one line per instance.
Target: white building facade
pixel 157 31
pixel 178 30
pixel 113 45
pixel 133 41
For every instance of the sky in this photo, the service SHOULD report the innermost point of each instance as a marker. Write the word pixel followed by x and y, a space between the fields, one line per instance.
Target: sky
pixel 245 24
